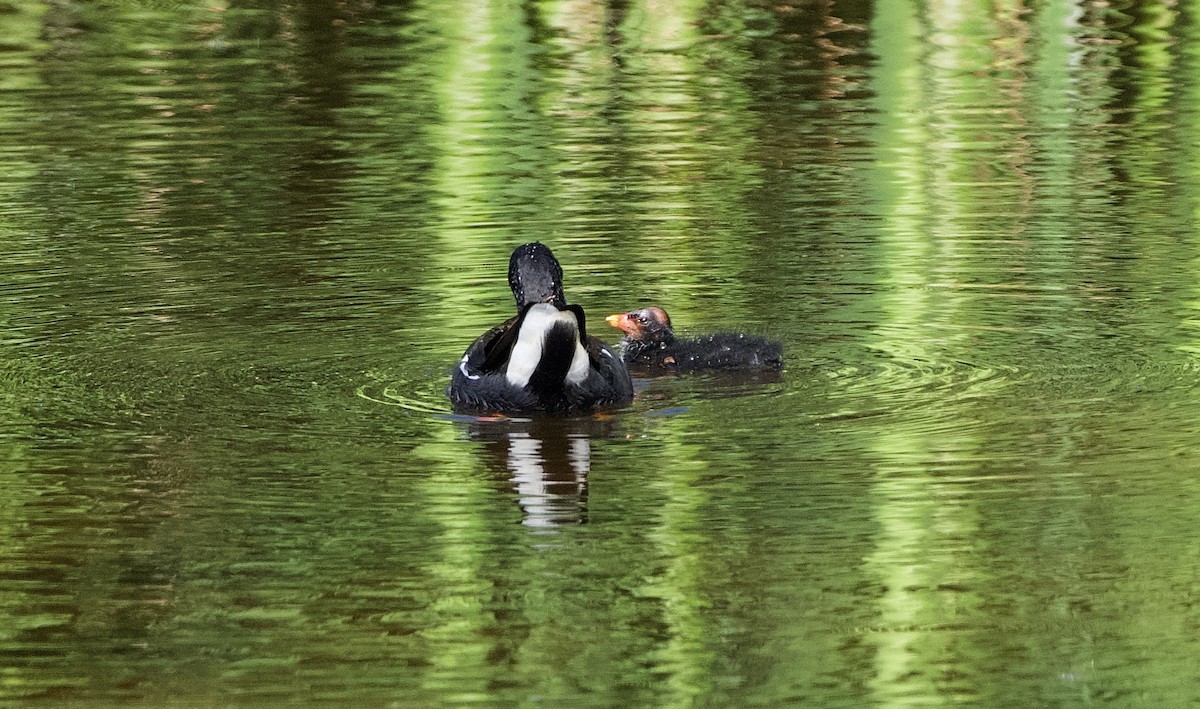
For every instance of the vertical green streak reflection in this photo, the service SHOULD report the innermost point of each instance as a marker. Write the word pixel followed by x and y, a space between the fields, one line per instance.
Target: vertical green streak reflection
pixel 21 33
pixel 456 643
pixel 685 656
pixel 640 88
pixel 659 79
pixel 661 87
pixel 901 189
pixel 486 148
pixel 1154 58
pixel 461 148
pixel 1189 131
pixel 1152 159
pixel 1053 101
pixel 492 171
pixel 902 183
pixel 926 189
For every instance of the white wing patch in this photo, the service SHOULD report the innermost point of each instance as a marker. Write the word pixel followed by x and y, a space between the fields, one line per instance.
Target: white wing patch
pixel 579 363
pixel 462 367
pixel 527 353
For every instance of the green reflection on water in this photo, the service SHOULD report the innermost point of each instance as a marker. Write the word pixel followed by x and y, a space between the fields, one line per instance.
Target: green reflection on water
pixel 237 233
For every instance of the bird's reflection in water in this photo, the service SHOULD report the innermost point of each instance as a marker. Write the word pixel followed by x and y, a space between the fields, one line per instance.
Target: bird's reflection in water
pixel 546 461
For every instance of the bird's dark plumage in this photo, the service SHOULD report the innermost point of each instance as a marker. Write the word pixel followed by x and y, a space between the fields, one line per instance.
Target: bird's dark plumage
pixel 649 341
pixel 542 360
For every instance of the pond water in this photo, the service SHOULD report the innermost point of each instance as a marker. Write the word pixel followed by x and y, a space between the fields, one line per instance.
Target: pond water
pixel 245 242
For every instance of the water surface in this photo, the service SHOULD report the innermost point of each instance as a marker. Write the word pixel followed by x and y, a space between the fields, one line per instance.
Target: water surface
pixel 245 244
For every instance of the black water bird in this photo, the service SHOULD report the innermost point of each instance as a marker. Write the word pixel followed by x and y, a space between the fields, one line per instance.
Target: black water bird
pixel 649 341
pixel 542 360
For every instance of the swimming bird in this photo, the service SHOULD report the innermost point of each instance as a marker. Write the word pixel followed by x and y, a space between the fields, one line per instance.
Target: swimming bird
pixel 542 360
pixel 650 341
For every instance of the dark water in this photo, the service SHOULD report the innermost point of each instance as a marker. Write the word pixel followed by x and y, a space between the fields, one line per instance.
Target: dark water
pixel 243 244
